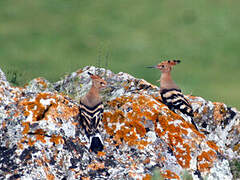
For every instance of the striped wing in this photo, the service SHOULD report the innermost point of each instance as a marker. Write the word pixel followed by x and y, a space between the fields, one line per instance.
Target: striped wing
pixel 175 100
pixel 90 118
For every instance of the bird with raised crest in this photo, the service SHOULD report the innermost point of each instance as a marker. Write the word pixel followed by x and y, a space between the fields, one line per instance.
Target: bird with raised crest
pixel 170 93
pixel 91 113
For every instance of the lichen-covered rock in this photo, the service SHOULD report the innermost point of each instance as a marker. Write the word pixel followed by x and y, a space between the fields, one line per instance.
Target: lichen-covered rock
pixel 40 136
pixel 2 75
pixel 39 85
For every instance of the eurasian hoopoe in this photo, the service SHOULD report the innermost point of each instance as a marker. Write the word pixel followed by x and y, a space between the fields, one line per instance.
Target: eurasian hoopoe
pixel 91 112
pixel 171 94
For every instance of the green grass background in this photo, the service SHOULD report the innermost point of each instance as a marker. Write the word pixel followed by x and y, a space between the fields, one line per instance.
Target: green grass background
pixel 51 38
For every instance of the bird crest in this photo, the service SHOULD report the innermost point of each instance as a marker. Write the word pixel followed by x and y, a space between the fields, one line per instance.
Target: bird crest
pixel 93 76
pixel 168 63
pixel 98 81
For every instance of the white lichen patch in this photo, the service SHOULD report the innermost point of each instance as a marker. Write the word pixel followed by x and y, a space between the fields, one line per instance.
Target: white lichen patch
pixel 151 136
pixel 47 102
pixel 221 170
pixel 69 129
pixel 117 93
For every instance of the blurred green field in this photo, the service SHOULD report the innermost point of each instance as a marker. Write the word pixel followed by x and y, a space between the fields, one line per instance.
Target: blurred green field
pixel 52 38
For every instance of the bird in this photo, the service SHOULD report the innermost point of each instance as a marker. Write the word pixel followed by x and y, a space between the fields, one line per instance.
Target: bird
pixel 91 112
pixel 170 93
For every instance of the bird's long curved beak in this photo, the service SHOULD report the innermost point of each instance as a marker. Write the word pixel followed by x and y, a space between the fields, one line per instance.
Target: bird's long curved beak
pixel 151 67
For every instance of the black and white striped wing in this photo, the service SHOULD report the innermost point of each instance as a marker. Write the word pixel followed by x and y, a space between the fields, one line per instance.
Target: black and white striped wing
pixel 90 118
pixel 175 100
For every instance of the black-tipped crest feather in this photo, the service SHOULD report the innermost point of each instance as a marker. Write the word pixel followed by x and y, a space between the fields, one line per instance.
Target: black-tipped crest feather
pixel 90 74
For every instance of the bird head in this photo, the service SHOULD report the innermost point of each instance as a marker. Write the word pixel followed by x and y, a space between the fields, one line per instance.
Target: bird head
pixel 166 66
pixel 97 81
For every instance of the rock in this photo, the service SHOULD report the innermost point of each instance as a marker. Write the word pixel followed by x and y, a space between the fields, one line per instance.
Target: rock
pixel 2 75
pixel 39 85
pixel 41 137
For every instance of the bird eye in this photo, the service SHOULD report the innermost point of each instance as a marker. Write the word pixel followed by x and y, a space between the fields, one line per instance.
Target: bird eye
pixel 162 66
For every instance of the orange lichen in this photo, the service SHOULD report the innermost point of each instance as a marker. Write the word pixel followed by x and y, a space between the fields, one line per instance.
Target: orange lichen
pixel 158 98
pixel 39 162
pixel 205 110
pixel 146 161
pixel 205 160
pixel 44 155
pixel 101 153
pixel 3 124
pixel 57 139
pixel 43 106
pixel 126 120
pixel 64 110
pixel 174 139
pixel 133 123
pixel 143 142
pixel 39 133
pixel 31 142
pixel 147 177
pixel 48 175
pixel 79 71
pixel 170 175
pixel 41 82
pixel 36 107
pixel 27 140
pixel 183 155
pixel 219 111
pixel 212 145
pixel 16 114
pixel 26 127
pixel 20 145
pixel 96 166
pixel 85 178
pixel 61 162
pixel 236 148
pixel 26 113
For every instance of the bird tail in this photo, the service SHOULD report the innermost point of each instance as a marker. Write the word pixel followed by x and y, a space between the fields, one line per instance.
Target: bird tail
pixel 96 143
pixel 194 124
pixel 190 119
